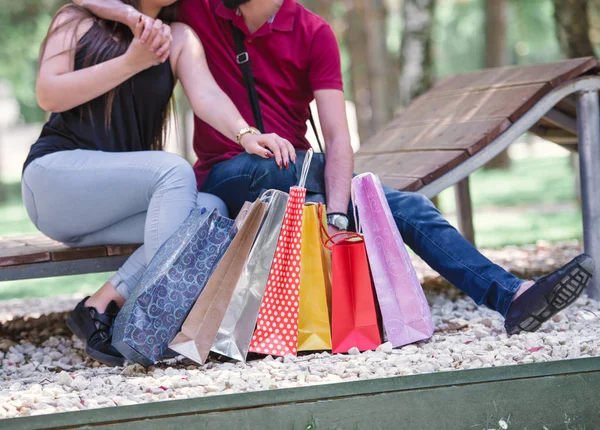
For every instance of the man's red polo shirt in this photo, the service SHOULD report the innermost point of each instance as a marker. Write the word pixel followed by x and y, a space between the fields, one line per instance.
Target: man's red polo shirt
pixel 292 55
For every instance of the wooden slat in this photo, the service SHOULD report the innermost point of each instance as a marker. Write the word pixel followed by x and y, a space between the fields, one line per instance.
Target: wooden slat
pixel 562 121
pixel 25 250
pixel 552 73
pixel 116 250
pixel 424 165
pixel 23 256
pixel 490 104
pixel 402 183
pixel 28 249
pixel 555 135
pixel 470 136
pixel 71 254
pixel 568 106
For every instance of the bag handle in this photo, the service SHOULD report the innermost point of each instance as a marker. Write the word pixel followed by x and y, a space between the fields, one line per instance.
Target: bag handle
pixel 305 168
pixel 354 208
pixel 328 241
pixel 243 60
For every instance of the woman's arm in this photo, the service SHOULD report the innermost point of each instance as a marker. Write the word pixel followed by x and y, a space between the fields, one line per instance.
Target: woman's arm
pixel 212 105
pixel 60 87
pixel 111 10
pixel 116 10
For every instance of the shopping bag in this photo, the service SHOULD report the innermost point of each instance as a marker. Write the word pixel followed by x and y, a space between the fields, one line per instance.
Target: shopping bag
pixel 171 284
pixel 404 308
pixel 314 328
pixel 277 324
pixel 235 332
pixel 354 321
pixel 202 324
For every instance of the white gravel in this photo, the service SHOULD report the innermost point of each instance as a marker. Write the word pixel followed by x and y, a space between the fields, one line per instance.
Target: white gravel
pixel 56 377
pixel 48 372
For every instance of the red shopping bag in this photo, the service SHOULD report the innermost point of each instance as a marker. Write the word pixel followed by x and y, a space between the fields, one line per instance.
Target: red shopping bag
pixel 277 324
pixel 354 321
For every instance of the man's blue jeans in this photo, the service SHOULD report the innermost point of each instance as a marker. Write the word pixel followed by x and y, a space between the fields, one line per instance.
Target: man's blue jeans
pixel 421 225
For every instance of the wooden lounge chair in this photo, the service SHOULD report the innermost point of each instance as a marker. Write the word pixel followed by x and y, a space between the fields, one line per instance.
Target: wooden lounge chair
pixel 466 120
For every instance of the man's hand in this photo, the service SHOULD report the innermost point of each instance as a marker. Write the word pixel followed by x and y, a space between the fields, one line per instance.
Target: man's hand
pixel 151 28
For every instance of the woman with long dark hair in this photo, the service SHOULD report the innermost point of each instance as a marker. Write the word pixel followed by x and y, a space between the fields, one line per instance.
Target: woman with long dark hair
pixel 97 174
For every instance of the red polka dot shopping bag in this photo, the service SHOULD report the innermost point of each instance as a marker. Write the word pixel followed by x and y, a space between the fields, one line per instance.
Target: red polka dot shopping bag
pixel 277 324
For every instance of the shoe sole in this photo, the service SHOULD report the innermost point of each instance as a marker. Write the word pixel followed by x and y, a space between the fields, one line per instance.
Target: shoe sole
pixel 109 360
pixel 564 293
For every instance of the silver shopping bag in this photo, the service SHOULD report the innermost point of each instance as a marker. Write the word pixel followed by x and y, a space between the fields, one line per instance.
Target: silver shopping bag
pixel 235 332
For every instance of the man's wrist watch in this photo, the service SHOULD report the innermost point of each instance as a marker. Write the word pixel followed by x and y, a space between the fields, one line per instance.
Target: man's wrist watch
pixel 338 220
pixel 244 131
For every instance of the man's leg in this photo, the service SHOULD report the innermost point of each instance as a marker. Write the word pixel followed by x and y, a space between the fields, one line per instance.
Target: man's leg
pixel 245 177
pixel 439 244
pixel 426 231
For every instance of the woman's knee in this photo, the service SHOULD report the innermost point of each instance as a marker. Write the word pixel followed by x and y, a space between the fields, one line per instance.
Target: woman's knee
pixel 177 170
pixel 211 202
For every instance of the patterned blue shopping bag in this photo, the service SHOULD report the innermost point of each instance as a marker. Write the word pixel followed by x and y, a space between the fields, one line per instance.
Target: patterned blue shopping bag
pixel 175 277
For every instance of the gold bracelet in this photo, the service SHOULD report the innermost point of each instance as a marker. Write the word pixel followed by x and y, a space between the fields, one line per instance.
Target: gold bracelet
pixel 245 130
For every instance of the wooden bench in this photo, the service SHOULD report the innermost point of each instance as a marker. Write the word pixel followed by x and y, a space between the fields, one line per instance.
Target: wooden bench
pixel 466 120
pixel 437 142
pixel 36 256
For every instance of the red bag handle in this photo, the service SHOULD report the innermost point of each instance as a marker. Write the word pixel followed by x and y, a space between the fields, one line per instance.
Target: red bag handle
pixel 328 241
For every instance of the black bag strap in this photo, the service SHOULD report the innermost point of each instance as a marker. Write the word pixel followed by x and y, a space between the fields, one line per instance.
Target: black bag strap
pixel 243 60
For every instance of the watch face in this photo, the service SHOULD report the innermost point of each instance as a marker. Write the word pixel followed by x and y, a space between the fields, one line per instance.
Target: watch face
pixel 340 222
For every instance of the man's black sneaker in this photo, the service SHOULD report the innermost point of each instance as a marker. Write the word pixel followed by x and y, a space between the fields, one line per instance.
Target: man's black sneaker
pixel 549 295
pixel 94 330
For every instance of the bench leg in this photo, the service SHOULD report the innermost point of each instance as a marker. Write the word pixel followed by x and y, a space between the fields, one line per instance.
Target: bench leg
pixel 464 209
pixel 588 130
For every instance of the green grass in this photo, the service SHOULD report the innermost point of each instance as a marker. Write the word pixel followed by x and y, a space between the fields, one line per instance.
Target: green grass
pixel 84 284
pixel 518 191
pixel 528 182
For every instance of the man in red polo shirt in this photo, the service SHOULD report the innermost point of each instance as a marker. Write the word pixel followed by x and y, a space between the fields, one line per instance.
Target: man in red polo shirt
pixel 295 59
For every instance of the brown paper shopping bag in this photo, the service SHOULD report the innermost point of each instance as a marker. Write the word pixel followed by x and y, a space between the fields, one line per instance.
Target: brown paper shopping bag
pixel 202 324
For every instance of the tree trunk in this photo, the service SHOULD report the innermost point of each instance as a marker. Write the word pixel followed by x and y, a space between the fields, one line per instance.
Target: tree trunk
pixel 356 39
pixel 573 27
pixel 495 56
pixel 378 60
pixel 416 67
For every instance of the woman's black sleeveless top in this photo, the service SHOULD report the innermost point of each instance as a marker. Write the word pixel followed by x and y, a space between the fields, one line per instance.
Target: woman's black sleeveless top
pixel 137 115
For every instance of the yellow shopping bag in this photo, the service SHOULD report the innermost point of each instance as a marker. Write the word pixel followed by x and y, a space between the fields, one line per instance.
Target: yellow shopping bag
pixel 314 328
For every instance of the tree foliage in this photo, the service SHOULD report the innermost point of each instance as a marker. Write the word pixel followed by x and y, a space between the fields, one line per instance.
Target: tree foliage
pixel 457 45
pixel 24 24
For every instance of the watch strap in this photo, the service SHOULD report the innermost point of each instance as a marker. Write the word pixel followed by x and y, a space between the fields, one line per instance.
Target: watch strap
pixel 337 213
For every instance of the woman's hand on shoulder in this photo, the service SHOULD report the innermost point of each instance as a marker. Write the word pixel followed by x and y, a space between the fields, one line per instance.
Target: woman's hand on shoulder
pixel 269 146
pixel 145 55
pixel 150 28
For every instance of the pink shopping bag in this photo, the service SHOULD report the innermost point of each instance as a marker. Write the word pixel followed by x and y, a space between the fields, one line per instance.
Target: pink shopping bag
pixel 404 308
